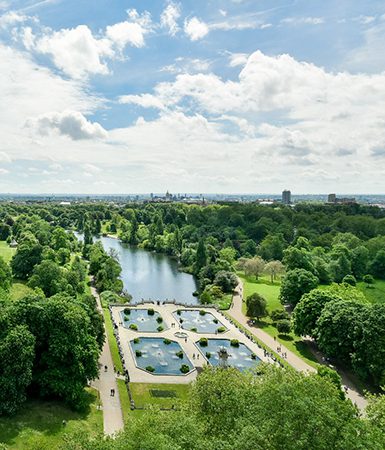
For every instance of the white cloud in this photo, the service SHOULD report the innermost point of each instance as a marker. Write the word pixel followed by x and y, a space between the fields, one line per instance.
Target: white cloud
pixel 124 33
pixel 3 171
pixel 169 18
pixel 303 20
pixel 11 18
pixel 68 123
pixel 76 51
pixel 188 65
pixel 238 59
pixel 144 100
pixel 196 29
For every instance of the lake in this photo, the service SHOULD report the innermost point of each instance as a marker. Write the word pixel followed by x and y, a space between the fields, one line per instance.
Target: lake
pixel 151 276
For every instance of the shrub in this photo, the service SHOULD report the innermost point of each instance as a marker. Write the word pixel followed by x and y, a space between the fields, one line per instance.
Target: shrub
pixel 184 368
pixel 215 320
pixel 127 311
pixel 279 314
pixel 150 369
pixel 203 342
pixel 202 312
pixel 234 343
pixel 368 279
pixel 221 329
pixel 150 312
pixel 284 326
pixel 180 320
pixel 159 319
pixel 160 328
pixel 136 341
pixel 253 356
pixel 208 355
pixel 193 329
pixel 166 341
pixel 179 312
pixel 138 353
pixel 180 354
pixel 133 326
pixel 349 279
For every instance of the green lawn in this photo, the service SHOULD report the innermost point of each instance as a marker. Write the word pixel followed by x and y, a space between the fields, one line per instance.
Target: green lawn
pixel 19 290
pixel 39 424
pixel 6 252
pixel 112 341
pixel 375 293
pixel 270 291
pixel 124 400
pixel 142 396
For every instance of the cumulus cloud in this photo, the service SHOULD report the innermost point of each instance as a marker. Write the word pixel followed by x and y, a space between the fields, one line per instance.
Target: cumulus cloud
pixel 169 18
pixel 79 53
pixel 196 29
pixel 68 123
pixel 238 59
pixel 144 100
pixel 11 18
pixel 76 51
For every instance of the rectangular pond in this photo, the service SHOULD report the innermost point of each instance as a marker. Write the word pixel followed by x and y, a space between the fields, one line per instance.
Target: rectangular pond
pixel 142 320
pixel 160 356
pixel 199 321
pixel 239 357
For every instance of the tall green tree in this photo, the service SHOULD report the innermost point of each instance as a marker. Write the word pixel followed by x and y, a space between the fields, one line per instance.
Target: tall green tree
pixel 296 283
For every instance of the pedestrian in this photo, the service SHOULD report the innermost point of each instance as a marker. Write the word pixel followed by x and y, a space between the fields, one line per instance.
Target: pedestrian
pixel 197 355
pixel 193 355
pixel 185 339
pixel 275 338
pixel 105 368
pixel 112 392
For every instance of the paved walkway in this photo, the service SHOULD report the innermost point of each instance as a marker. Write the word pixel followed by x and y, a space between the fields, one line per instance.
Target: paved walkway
pixel 112 411
pixel 236 312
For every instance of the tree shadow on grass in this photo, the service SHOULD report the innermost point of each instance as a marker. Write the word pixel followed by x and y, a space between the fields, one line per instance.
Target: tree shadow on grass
pixel 286 337
pixel 42 416
pixel 305 350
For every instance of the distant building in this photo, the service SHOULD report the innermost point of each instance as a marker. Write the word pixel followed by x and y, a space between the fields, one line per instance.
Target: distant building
pixel 286 197
pixel 332 198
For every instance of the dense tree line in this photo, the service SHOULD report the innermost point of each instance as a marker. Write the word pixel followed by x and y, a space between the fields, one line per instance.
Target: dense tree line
pixel 270 409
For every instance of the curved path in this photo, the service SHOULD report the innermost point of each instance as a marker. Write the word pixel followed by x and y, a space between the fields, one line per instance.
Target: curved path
pixel 112 411
pixel 296 362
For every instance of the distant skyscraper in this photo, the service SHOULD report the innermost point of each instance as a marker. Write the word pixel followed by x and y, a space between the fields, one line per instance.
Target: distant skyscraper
pixel 332 198
pixel 286 197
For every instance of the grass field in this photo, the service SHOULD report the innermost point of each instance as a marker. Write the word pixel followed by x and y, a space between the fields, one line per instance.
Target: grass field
pixel 112 341
pixel 375 293
pixel 124 400
pixel 19 290
pixel 271 293
pixel 225 302
pixel 6 252
pixel 170 394
pixel 39 424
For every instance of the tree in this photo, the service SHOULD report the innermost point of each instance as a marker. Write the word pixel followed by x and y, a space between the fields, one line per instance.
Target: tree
pixel 308 310
pixel 254 266
pixel 5 275
pixel 66 349
pixel 49 277
pixel 297 258
pixel 377 267
pixel 256 306
pixel 226 280
pixel 24 260
pixel 296 283
pixel 360 260
pixel 338 328
pixel 369 355
pixel 283 326
pixel 274 268
pixel 16 361
pixel 201 256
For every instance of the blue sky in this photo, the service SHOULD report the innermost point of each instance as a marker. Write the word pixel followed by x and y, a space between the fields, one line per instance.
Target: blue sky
pixel 245 96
